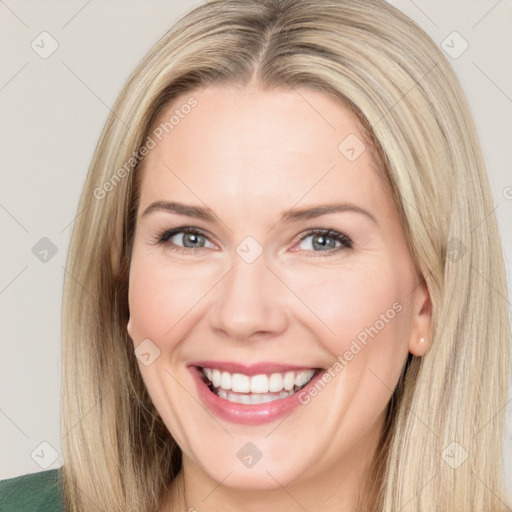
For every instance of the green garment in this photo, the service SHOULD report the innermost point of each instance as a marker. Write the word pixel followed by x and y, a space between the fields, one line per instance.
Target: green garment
pixel 35 492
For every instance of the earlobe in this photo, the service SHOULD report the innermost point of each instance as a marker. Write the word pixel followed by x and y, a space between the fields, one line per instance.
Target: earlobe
pixel 420 339
pixel 129 327
pixel 420 347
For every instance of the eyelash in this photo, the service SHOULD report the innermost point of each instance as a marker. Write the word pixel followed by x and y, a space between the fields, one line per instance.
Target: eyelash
pixel 345 241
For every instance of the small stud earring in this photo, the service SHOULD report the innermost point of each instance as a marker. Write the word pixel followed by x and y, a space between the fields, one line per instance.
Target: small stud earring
pixel 422 340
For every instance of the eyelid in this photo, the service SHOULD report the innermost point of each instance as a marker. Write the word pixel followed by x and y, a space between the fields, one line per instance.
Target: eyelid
pixel 346 242
pixel 169 233
pixel 162 237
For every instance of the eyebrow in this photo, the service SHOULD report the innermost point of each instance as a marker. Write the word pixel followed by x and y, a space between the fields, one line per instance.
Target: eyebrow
pixel 289 216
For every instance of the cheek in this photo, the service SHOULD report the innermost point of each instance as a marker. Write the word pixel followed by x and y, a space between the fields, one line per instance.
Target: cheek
pixel 362 311
pixel 349 298
pixel 148 316
pixel 362 316
pixel 162 298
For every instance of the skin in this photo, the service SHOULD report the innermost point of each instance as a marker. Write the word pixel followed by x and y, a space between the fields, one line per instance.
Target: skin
pixel 249 155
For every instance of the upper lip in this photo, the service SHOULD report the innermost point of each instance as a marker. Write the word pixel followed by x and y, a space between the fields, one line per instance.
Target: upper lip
pixel 251 369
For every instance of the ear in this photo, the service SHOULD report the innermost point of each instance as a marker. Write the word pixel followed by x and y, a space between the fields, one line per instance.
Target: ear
pixel 129 327
pixel 420 338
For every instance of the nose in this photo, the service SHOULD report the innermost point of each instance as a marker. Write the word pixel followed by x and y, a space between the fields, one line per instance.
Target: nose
pixel 249 302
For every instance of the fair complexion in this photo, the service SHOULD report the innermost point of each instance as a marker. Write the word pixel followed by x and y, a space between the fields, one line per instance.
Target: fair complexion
pixel 248 156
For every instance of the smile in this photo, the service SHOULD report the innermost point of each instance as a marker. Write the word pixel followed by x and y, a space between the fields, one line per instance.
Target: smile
pixel 256 389
pixel 251 394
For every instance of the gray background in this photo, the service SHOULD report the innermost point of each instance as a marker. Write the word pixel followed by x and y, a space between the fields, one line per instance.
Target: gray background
pixel 52 110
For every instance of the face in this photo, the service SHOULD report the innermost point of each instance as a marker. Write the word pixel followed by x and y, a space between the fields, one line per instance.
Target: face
pixel 302 318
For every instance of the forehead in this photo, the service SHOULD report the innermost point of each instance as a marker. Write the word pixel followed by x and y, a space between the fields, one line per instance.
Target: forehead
pixel 241 146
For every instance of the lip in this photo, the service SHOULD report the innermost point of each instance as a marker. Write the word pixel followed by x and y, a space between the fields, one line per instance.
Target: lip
pixel 256 414
pixel 249 369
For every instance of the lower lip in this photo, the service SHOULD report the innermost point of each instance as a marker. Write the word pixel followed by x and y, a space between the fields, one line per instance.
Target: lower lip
pixel 256 414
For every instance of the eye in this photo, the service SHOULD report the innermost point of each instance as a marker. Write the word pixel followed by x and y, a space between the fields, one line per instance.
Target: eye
pixel 185 240
pixel 191 238
pixel 325 240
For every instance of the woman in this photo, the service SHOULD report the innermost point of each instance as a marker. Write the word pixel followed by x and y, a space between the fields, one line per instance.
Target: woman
pixel 214 358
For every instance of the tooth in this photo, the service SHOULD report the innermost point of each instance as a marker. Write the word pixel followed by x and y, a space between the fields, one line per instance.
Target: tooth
pixel 259 384
pixel 253 398
pixel 304 377
pixel 261 399
pixel 225 380
pixel 240 383
pixel 233 398
pixel 289 380
pixel 244 399
pixel 275 383
pixel 215 378
pixel 256 399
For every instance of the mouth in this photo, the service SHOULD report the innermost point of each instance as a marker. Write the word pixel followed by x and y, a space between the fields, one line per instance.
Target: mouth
pixel 252 394
pixel 252 389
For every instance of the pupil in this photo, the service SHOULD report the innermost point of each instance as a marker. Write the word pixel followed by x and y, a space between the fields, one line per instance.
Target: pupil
pixel 322 243
pixel 190 237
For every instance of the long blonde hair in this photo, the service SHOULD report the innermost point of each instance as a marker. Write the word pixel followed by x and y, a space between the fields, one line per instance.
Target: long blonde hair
pixel 441 449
